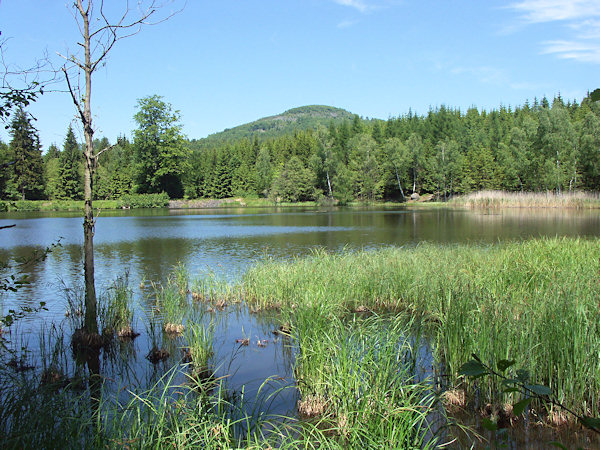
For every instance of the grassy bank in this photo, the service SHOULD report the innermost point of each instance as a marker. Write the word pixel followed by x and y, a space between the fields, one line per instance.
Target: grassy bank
pixel 125 202
pixel 502 199
pixel 482 199
pixel 535 301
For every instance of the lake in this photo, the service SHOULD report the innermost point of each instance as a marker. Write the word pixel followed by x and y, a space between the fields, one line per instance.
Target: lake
pixel 148 244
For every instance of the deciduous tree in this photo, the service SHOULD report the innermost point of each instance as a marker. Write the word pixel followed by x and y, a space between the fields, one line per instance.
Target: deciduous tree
pixel 161 154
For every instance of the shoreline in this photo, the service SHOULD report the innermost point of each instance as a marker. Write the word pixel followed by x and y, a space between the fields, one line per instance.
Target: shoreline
pixel 484 200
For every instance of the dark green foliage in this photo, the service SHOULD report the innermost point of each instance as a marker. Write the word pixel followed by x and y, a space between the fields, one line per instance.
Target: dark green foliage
pixel 294 183
pixel 25 157
pixel 544 146
pixel 264 171
pixel 70 183
pixel 144 200
pixel 116 171
pixel 161 156
pixel 6 181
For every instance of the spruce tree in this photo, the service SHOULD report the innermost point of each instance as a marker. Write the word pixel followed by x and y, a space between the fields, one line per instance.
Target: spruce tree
pixel 69 179
pixel 28 167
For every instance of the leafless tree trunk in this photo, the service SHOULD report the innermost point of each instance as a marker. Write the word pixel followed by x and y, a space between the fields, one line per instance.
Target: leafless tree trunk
pixel 97 43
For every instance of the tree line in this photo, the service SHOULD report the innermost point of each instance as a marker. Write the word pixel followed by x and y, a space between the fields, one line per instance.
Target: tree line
pixel 543 146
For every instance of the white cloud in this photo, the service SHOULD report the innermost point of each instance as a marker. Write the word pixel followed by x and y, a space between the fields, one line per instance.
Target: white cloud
pixel 360 5
pixel 579 51
pixel 580 17
pixel 346 23
pixel 538 11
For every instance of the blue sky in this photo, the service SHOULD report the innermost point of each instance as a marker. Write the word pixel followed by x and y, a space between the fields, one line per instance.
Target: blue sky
pixel 222 63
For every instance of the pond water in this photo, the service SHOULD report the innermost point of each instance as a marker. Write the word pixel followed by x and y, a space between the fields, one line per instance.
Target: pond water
pixel 148 244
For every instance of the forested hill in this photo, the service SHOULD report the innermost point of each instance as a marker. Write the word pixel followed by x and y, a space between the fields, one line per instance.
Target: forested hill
pixel 301 118
pixel 543 146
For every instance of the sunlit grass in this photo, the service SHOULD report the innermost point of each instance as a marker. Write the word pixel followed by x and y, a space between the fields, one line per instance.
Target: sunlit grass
pixel 534 301
pixel 503 199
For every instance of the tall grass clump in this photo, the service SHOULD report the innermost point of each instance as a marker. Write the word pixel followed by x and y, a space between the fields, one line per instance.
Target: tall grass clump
pixel 172 300
pixel 355 378
pixel 209 288
pixel 200 414
pixel 199 339
pixel 534 301
pixel 143 201
pixel 504 199
pixel 116 309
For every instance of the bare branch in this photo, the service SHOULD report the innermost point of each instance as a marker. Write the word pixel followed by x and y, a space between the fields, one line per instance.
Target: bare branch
pixel 110 147
pixel 18 86
pixel 73 96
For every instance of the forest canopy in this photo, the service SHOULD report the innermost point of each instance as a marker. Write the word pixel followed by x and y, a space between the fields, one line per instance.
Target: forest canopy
pixel 325 152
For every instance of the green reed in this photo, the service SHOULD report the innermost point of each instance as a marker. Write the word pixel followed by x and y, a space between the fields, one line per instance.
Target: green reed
pixel 209 288
pixel 117 307
pixel 199 338
pixel 355 376
pixel 534 301
pixel 504 199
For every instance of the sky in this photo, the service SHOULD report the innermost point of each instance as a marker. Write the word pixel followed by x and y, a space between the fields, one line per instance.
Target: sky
pixel 222 63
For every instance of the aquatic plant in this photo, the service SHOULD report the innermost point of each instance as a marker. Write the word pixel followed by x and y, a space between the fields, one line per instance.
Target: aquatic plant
pixel 536 300
pixel 116 309
pixel 199 338
pixel 171 307
pixel 549 199
pixel 355 376
pixel 209 288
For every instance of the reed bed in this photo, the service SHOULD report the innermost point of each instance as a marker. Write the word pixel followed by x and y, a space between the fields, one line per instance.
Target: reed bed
pixel 505 199
pixel 355 376
pixel 535 301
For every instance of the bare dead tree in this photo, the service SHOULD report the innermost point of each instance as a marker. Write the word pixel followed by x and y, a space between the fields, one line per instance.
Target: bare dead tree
pixel 100 30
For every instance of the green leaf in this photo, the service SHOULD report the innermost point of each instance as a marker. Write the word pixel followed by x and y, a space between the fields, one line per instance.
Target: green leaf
pixel 472 368
pixel 523 375
pixel 504 364
pixel 489 425
pixel 510 381
pixel 519 407
pixel 539 389
pixel 558 444
pixel 591 422
pixel 511 389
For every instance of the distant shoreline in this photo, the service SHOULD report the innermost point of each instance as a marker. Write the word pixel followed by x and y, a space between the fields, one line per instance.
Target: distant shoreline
pixel 477 200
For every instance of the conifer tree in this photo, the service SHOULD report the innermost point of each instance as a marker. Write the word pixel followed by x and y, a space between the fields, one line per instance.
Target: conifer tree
pixel 51 168
pixel 69 179
pixel 25 151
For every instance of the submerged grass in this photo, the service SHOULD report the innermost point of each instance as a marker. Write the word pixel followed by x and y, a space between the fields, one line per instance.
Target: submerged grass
pixel 535 301
pixel 504 199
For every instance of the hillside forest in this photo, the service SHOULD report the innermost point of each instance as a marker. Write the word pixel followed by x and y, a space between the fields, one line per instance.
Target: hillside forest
pixel 542 146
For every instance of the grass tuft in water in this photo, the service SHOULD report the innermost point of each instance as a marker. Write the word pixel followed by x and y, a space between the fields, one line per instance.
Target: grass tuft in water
pixel 116 309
